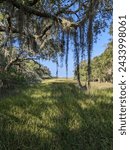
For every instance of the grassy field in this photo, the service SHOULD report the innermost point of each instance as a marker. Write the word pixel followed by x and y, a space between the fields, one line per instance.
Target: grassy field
pixel 56 115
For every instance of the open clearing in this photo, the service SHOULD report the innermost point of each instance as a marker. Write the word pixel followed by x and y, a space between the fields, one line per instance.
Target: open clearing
pixel 57 115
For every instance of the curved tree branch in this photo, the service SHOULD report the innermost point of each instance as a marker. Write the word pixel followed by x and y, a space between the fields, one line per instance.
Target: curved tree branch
pixel 30 10
pixel 45 14
pixel 32 3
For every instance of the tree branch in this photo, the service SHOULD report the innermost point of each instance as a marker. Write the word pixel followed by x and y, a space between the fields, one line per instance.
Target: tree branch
pixel 45 14
pixel 32 10
pixel 32 3
pixel 12 62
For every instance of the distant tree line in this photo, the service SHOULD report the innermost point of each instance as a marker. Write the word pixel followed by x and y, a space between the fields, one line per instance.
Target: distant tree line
pixel 101 67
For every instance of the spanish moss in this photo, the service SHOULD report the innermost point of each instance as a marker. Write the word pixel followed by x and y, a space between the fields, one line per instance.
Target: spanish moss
pixel 76 57
pixel 67 51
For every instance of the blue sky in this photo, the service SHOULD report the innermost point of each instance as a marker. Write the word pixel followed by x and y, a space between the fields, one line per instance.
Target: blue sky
pixel 98 49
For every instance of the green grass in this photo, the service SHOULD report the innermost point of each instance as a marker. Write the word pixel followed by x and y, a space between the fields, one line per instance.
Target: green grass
pixel 56 115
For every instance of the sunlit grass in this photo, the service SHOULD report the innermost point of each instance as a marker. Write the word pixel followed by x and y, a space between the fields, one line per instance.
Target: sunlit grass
pixel 57 115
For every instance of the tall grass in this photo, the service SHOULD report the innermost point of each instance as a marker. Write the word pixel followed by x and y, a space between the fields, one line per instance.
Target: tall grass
pixel 56 115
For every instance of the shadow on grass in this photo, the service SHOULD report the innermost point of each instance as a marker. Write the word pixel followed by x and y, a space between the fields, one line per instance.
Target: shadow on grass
pixel 56 116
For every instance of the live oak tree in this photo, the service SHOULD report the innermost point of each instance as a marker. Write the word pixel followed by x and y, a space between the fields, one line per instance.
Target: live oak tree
pixel 44 29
